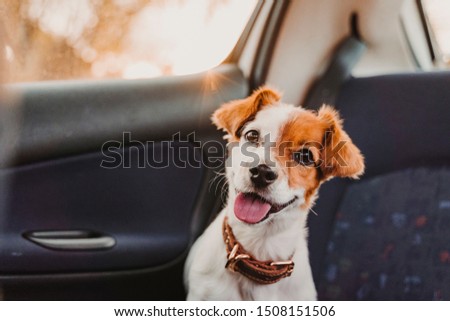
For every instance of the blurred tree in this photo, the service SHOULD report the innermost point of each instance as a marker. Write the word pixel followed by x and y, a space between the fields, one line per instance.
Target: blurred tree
pixel 72 39
pixel 39 49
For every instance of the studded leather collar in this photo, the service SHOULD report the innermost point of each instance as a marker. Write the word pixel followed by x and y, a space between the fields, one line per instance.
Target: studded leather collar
pixel 239 260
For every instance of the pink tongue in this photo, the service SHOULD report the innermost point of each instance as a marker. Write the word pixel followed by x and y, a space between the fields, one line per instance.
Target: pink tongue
pixel 250 209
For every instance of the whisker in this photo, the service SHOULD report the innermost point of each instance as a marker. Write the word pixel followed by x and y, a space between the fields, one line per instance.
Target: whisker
pixel 310 208
pixel 223 193
pixel 219 182
pixel 215 179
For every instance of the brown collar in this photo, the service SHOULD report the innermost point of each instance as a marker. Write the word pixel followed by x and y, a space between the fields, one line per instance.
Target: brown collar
pixel 238 260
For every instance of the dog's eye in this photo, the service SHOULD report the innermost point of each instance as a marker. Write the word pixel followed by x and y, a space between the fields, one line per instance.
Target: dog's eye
pixel 304 157
pixel 252 136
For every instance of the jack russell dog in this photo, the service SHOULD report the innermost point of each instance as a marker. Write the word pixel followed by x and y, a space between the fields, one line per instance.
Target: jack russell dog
pixel 256 248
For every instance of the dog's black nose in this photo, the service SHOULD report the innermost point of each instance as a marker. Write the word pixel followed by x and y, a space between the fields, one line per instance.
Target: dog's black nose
pixel 262 176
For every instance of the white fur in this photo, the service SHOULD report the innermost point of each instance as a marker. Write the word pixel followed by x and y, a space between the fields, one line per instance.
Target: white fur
pixel 282 236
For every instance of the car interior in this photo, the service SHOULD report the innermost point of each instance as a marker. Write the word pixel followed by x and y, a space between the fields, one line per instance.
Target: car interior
pixel 75 225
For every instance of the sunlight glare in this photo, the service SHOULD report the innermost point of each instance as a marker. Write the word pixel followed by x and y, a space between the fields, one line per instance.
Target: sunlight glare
pixel 141 69
pixel 186 37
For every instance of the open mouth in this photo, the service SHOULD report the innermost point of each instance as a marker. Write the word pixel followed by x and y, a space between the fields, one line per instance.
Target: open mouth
pixel 252 208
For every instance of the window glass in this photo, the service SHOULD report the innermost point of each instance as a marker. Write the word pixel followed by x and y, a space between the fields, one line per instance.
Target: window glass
pixel 437 14
pixel 73 39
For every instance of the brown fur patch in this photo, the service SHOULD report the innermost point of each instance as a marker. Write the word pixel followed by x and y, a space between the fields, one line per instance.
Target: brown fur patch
pixel 332 149
pixel 341 157
pixel 305 130
pixel 232 116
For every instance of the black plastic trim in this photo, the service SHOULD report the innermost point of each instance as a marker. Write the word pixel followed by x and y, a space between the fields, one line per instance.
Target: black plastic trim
pixel 164 282
pixel 423 19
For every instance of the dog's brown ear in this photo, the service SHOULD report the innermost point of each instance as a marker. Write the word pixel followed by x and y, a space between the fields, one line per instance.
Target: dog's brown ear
pixel 232 116
pixel 340 157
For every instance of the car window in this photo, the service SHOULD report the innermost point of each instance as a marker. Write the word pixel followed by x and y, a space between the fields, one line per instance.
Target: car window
pixel 95 39
pixel 437 13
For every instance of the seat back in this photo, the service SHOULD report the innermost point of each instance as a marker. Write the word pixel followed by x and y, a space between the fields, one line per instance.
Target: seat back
pixel 386 235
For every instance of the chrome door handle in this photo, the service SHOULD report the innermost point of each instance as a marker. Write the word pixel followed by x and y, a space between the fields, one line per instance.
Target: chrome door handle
pixel 76 240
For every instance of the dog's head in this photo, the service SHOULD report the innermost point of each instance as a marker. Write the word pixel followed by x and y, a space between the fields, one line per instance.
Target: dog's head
pixel 280 154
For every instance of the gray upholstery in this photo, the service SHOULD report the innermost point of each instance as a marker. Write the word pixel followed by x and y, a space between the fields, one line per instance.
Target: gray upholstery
pixel 399 122
pixel 391 239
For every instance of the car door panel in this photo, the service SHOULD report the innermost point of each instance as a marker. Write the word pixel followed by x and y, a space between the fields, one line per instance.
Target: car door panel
pixel 69 117
pixel 61 178
pixel 142 209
